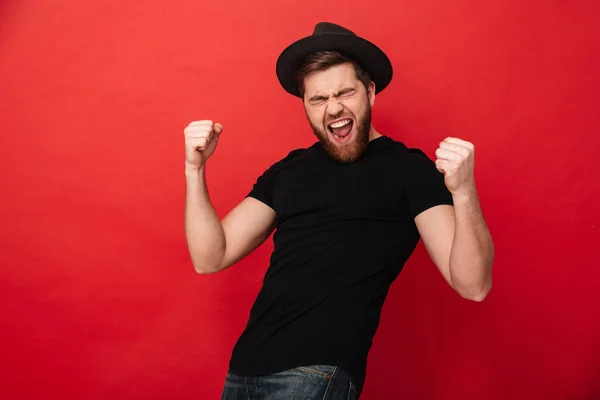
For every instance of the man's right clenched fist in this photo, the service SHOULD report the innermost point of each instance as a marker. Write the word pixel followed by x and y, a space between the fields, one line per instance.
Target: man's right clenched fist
pixel 200 141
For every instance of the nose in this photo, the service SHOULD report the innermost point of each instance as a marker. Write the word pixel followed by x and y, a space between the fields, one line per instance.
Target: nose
pixel 334 107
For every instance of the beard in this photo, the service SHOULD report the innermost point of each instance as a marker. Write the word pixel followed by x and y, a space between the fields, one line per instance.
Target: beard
pixel 349 152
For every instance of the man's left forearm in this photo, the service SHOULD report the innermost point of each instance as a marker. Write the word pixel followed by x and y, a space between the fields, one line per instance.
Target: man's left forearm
pixel 472 252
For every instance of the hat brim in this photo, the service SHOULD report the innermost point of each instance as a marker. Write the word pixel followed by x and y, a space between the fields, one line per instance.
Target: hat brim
pixel 373 59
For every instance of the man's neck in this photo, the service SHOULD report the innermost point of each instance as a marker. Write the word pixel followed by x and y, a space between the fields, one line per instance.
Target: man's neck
pixel 373 134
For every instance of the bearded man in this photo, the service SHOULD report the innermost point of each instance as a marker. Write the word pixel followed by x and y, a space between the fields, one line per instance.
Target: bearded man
pixel 347 212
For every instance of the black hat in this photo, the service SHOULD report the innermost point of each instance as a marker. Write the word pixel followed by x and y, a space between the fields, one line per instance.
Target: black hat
pixel 332 37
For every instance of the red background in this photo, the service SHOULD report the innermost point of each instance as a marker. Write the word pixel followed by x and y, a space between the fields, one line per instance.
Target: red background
pixel 97 293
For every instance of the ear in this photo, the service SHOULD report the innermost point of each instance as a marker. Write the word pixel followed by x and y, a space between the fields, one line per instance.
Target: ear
pixel 371 93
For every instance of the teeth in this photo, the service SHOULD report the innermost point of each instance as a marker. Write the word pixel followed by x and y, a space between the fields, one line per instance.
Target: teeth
pixel 339 124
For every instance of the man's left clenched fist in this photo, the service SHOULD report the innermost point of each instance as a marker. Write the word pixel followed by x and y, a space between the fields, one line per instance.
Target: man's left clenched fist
pixel 455 158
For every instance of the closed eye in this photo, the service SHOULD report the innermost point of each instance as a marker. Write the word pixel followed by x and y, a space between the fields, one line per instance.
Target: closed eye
pixel 315 100
pixel 344 93
pixel 347 92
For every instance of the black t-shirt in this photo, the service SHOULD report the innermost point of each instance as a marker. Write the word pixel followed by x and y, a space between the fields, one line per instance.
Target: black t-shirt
pixel 344 233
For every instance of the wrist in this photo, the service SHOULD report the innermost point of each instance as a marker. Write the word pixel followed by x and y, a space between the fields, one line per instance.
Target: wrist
pixel 191 171
pixel 465 196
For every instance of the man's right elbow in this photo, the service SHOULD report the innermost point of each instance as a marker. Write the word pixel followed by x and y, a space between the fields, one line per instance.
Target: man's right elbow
pixel 204 271
pixel 204 268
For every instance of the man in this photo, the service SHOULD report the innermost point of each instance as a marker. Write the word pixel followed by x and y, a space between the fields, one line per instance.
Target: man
pixel 347 213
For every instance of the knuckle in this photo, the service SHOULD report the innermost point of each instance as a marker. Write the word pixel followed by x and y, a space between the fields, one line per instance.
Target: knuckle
pixel 202 122
pixel 191 130
pixel 206 135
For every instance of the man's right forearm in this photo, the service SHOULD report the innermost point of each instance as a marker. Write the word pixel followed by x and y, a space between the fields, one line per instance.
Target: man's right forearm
pixel 203 229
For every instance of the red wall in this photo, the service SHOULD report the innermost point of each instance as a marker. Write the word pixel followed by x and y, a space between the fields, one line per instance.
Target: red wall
pixel 97 293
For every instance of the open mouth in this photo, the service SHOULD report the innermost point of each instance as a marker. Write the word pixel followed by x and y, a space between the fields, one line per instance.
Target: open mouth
pixel 341 130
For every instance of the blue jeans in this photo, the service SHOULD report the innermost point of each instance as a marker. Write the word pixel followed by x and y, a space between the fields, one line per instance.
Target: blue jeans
pixel 320 382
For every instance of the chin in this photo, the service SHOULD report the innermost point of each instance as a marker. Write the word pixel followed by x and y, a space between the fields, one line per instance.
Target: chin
pixel 345 150
pixel 347 147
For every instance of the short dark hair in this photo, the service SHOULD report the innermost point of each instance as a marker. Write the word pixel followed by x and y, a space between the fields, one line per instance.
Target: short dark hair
pixel 323 60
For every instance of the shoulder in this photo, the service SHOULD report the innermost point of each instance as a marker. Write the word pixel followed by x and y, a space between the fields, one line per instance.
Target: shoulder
pixel 413 156
pixel 273 167
pixel 295 153
pixel 412 166
pixel 289 157
pixel 301 154
pixel 417 158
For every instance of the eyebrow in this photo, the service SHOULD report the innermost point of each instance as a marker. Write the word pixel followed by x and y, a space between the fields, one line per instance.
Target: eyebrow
pixel 341 92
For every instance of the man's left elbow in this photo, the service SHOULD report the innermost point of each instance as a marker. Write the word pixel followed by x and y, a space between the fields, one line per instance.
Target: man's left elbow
pixel 479 294
pixel 479 297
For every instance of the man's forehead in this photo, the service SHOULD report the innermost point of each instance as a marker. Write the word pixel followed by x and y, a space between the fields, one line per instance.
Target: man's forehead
pixel 330 89
pixel 329 82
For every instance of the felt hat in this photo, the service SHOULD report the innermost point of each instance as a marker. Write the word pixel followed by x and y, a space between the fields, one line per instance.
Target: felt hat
pixel 332 37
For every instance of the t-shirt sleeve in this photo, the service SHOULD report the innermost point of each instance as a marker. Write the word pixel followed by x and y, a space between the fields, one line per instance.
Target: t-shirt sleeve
pixel 424 185
pixel 262 190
